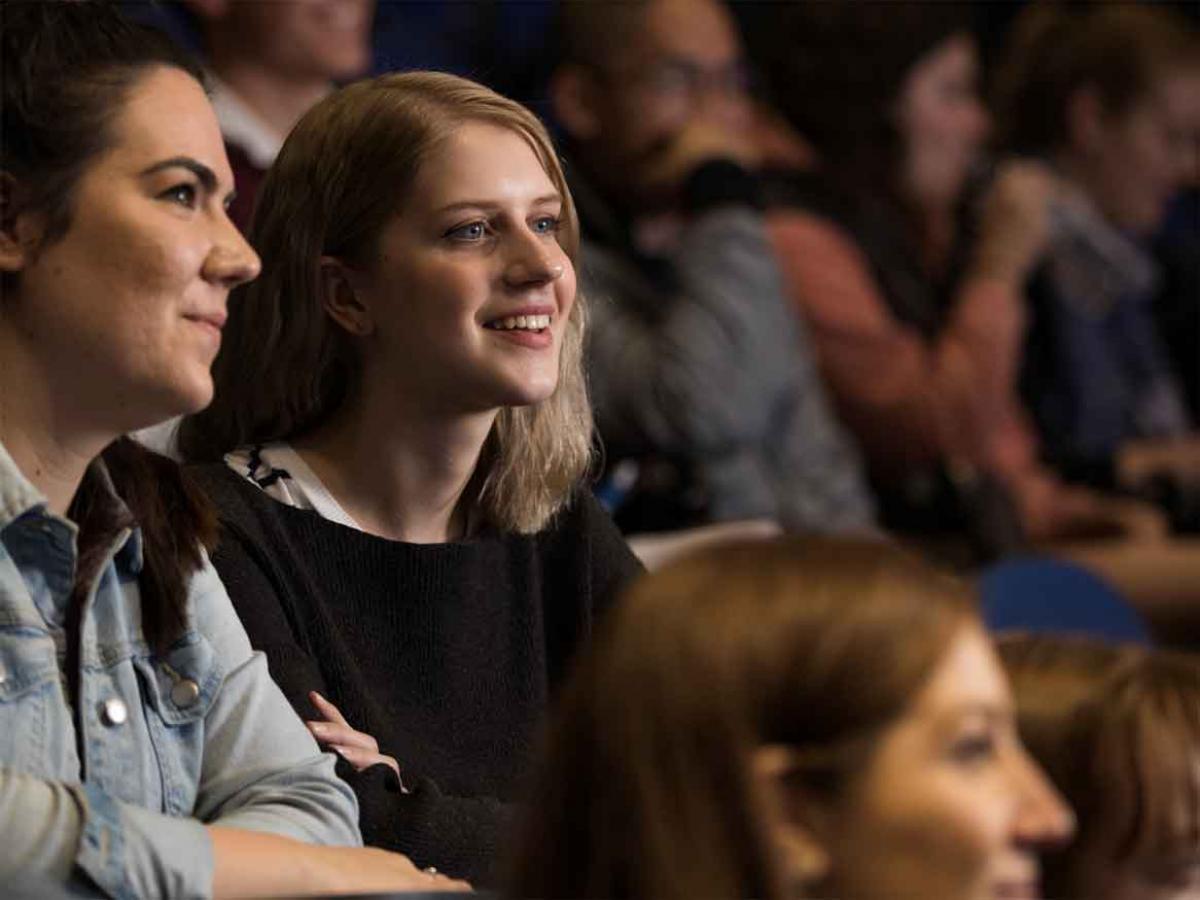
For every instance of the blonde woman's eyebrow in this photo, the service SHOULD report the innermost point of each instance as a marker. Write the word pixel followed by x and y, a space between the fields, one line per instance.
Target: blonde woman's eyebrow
pixel 544 200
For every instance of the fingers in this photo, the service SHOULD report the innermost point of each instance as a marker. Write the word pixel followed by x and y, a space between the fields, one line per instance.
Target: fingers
pixel 343 735
pixel 363 759
pixel 327 709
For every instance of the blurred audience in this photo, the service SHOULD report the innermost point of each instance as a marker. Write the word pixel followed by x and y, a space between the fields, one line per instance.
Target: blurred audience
pixel 749 722
pixel 914 305
pixel 705 394
pixel 404 427
pixel 270 62
pixel 1118 730
pixel 1110 97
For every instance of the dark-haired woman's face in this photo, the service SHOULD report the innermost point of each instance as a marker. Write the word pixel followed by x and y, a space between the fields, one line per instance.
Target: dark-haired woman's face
pixel 942 122
pixel 123 312
pixel 949 806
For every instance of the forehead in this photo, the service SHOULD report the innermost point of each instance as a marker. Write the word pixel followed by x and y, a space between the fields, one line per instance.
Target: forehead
pixel 697 31
pixel 166 114
pixel 967 677
pixel 481 161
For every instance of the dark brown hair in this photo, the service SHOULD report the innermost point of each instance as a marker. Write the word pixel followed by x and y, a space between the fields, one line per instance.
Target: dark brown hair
pixel 816 644
pixel 1118 49
pixel 1117 729
pixel 835 69
pixel 67 71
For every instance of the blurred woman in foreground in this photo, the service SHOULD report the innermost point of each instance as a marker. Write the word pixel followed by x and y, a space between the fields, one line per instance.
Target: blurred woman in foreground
pixel 789 718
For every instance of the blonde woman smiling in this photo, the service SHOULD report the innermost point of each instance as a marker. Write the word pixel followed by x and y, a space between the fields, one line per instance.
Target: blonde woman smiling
pixel 403 419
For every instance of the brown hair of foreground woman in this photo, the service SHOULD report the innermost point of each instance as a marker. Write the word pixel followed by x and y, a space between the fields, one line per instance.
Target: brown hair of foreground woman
pixel 805 717
pixel 287 366
pixel 1117 728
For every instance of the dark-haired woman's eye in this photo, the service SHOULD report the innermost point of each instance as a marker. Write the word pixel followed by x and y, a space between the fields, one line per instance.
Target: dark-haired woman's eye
pixel 181 194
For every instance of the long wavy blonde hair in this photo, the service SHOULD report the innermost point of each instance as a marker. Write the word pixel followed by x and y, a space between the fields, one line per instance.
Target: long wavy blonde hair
pixel 285 365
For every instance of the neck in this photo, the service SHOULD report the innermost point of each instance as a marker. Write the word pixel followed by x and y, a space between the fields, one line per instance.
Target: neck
pixel 400 473
pixel 279 100
pixel 50 445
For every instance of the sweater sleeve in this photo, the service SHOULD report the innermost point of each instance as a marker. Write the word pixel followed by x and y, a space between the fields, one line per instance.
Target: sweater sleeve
pixel 459 835
pixel 909 400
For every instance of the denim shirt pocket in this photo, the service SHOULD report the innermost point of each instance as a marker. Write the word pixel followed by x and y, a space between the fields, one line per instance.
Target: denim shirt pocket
pixel 180 687
pixel 29 697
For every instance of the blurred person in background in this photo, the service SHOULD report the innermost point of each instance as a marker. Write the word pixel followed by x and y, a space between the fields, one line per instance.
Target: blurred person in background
pixel 1110 97
pixel 789 718
pixel 270 62
pixel 398 448
pixel 1117 728
pixel 705 393
pixel 914 304
pixel 144 749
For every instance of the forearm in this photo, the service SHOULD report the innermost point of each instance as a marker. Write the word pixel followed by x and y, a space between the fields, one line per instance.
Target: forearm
pixel 56 834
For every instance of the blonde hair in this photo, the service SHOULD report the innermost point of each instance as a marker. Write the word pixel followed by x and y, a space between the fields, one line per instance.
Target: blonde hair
pixel 815 643
pixel 285 365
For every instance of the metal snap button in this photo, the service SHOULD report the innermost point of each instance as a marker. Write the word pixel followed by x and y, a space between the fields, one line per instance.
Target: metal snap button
pixel 185 692
pixel 114 712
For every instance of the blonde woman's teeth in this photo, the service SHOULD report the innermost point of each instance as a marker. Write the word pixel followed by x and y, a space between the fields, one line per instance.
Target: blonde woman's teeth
pixel 526 323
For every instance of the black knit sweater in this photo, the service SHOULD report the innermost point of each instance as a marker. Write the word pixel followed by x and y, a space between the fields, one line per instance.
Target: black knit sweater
pixel 446 653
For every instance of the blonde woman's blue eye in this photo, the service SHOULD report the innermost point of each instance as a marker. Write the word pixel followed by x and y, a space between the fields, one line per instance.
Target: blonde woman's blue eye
pixel 472 231
pixel 546 224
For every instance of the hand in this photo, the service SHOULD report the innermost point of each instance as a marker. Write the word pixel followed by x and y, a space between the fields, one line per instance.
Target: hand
pixel 1087 515
pixel 258 864
pixel 1015 222
pixel 1138 462
pixel 371 870
pixel 669 165
pixel 334 733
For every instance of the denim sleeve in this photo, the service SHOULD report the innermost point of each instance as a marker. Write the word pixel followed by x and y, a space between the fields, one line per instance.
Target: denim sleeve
pixel 262 769
pixel 56 831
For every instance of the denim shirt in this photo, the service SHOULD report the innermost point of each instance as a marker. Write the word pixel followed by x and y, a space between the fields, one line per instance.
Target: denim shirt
pixel 199 735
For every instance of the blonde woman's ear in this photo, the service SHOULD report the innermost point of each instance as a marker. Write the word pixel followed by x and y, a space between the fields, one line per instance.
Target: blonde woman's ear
pixel 341 299
pixel 790 819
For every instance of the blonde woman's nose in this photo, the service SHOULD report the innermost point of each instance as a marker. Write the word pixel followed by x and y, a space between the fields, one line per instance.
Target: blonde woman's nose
pixel 535 263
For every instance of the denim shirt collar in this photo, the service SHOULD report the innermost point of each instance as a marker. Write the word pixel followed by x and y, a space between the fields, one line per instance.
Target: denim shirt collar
pixel 18 497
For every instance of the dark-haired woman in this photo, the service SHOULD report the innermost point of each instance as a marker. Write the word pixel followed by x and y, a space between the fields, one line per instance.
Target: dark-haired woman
pixel 918 330
pixel 144 750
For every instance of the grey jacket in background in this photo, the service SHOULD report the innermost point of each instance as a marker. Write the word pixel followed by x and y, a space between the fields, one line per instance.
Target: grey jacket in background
pixel 198 736
pixel 719 372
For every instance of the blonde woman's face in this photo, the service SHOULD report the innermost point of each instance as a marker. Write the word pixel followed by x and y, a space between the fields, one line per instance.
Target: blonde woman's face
pixel 950 807
pixel 471 289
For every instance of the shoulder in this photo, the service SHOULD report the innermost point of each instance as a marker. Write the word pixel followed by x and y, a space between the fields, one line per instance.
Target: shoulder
pixel 584 535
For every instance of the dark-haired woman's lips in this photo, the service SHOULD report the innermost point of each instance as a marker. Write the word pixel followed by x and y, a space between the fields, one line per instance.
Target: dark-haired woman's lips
pixel 212 323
